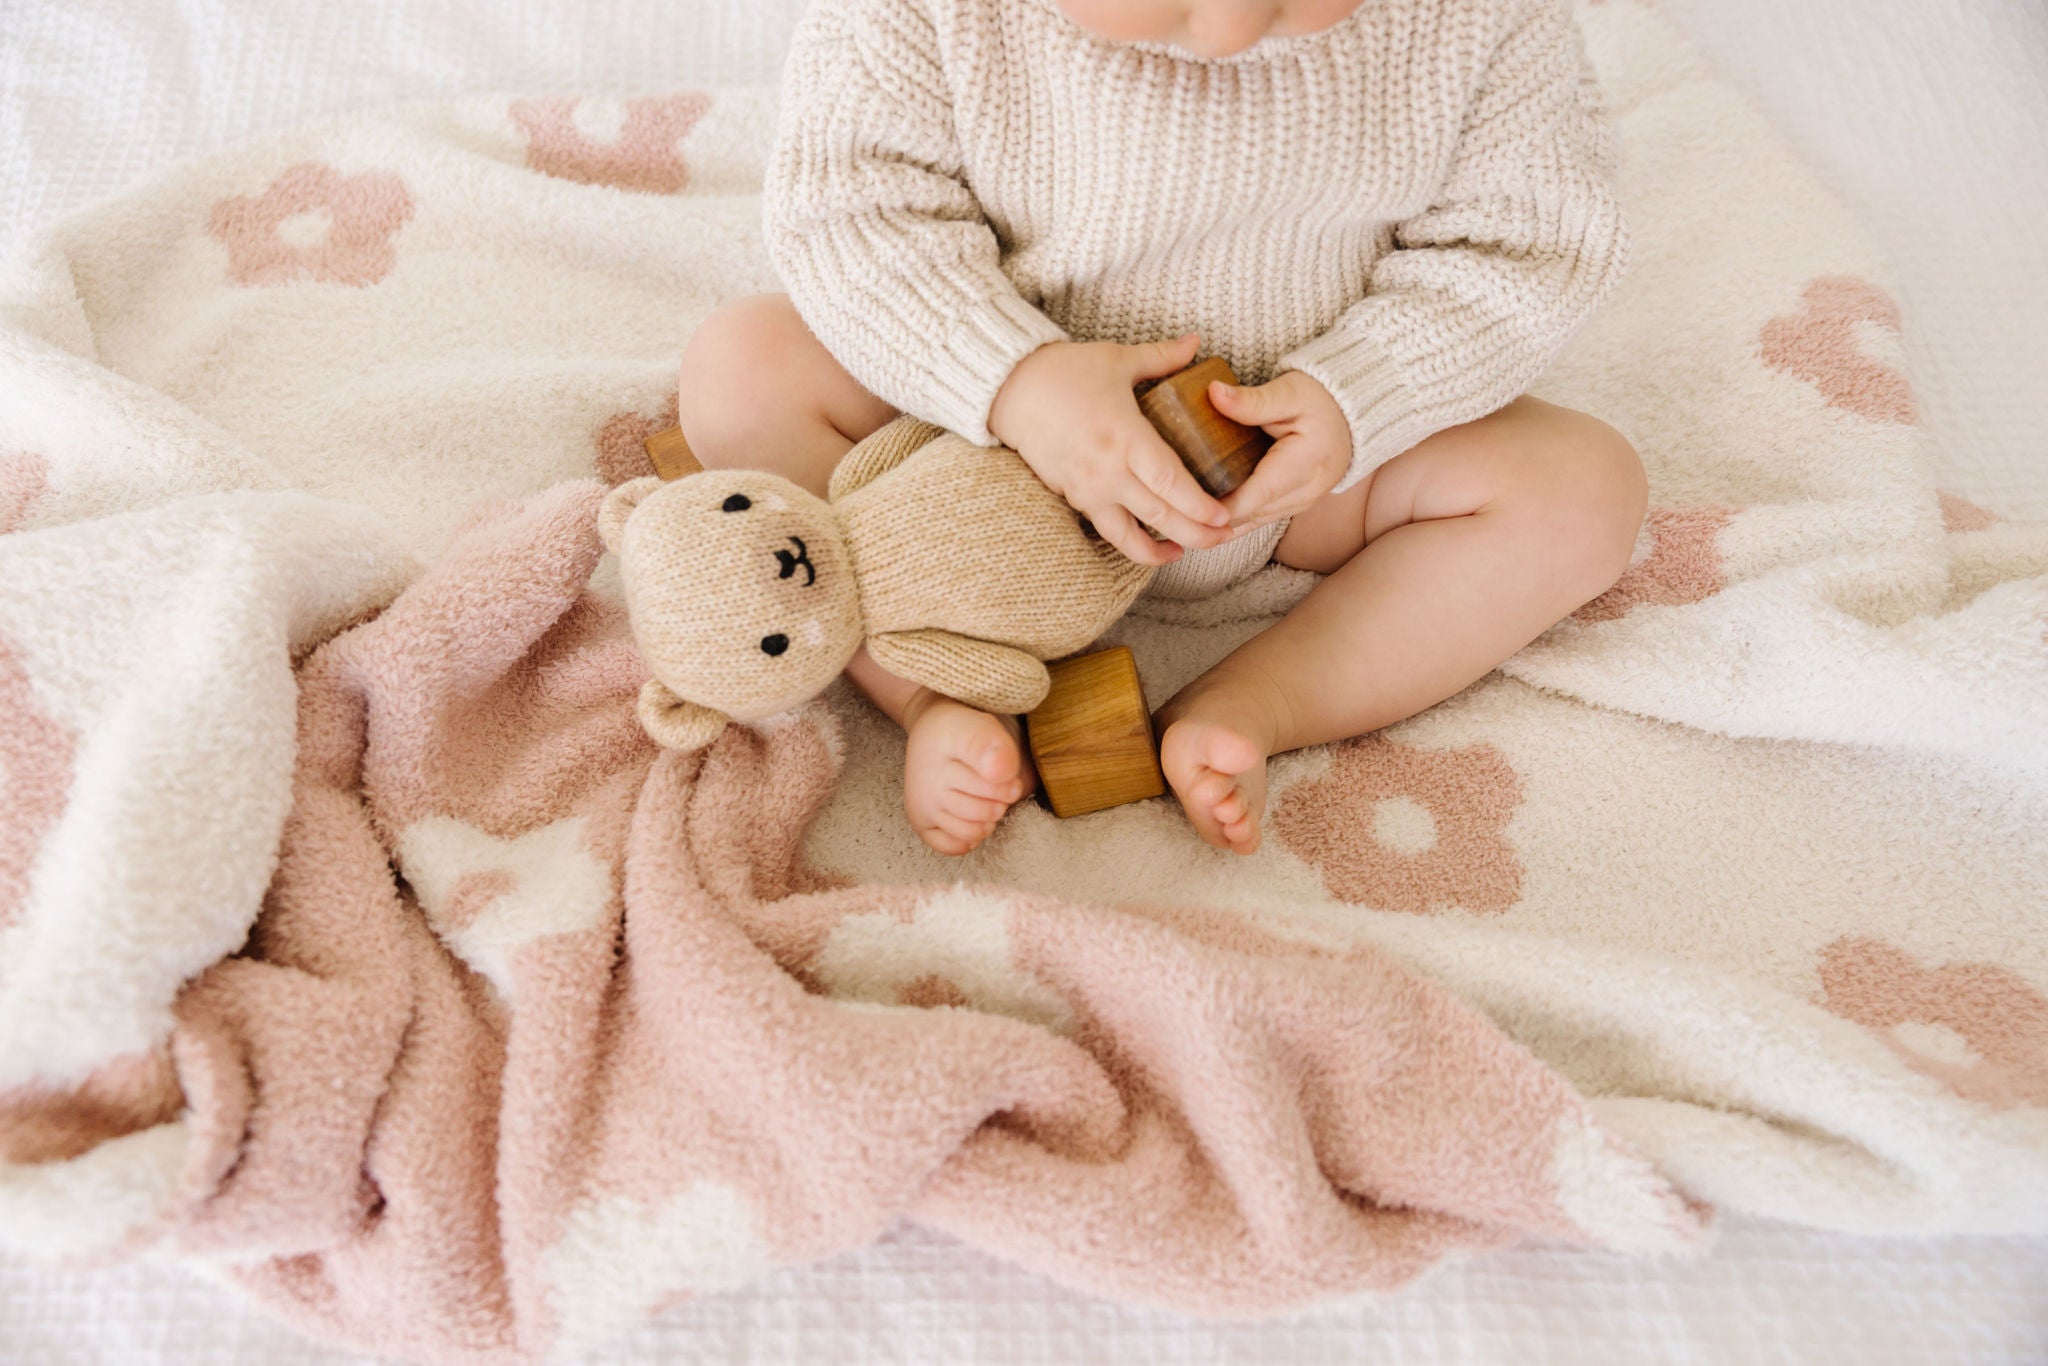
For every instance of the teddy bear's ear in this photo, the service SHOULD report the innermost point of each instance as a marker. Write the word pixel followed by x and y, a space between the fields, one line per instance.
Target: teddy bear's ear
pixel 676 723
pixel 618 506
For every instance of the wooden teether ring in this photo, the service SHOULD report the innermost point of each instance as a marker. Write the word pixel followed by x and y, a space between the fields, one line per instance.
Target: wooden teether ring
pixel 1091 739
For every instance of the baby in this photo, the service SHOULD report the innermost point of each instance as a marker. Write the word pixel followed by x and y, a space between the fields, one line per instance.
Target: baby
pixel 1389 216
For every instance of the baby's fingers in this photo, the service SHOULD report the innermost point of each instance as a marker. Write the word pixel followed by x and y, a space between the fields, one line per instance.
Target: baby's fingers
pixel 1121 530
pixel 1162 476
pixel 1271 493
pixel 1146 506
pixel 1255 405
pixel 1155 360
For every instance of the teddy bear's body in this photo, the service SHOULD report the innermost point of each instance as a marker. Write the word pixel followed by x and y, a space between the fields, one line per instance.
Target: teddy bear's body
pixel 966 540
pixel 955 564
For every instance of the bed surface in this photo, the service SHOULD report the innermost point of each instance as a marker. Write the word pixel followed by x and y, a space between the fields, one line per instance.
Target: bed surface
pixel 1767 1295
pixel 1932 120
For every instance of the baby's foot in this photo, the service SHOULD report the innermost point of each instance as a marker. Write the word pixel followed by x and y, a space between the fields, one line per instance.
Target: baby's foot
pixel 1211 748
pixel 962 768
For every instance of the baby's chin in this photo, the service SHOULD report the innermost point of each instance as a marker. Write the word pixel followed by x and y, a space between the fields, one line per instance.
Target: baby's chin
pixel 1173 23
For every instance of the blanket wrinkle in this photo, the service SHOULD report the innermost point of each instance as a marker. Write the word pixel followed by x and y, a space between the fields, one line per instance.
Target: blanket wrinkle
pixel 356 943
pixel 661 1065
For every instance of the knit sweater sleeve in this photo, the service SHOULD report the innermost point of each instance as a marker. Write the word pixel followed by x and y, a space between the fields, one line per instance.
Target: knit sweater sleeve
pixel 883 248
pixel 1485 287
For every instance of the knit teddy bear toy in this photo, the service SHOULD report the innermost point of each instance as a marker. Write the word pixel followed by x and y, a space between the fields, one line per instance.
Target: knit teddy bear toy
pixel 953 562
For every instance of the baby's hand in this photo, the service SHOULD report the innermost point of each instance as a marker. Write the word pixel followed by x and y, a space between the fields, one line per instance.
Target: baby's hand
pixel 1311 451
pixel 1069 410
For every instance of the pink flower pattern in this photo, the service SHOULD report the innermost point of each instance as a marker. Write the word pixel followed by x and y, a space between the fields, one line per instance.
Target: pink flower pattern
pixel 314 223
pixel 36 756
pixel 620 452
pixel 1960 514
pixel 24 479
pixel 647 154
pixel 1819 345
pixel 2001 1021
pixel 1684 563
pixel 1468 795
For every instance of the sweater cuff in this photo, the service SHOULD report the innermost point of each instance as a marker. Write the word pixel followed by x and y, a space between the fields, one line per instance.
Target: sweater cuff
pixel 1367 385
pixel 975 359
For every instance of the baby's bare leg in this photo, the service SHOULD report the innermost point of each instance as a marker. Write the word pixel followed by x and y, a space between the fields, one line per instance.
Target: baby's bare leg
pixel 1448 559
pixel 757 391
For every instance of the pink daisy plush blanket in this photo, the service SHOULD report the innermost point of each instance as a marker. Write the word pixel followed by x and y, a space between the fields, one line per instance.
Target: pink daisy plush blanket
pixel 356 946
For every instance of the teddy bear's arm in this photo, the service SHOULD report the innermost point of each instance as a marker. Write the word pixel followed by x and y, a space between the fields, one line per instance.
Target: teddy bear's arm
pixel 981 673
pixel 878 454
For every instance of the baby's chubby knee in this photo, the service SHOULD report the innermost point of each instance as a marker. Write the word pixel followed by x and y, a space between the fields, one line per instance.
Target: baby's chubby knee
pixel 737 365
pixel 1591 498
pixel 758 390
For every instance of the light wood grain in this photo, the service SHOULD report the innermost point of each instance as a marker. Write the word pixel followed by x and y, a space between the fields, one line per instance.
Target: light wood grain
pixel 1217 451
pixel 1091 739
pixel 671 454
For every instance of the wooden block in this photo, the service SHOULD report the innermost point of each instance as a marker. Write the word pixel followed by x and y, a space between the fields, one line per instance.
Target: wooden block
pixel 1091 739
pixel 671 454
pixel 1219 452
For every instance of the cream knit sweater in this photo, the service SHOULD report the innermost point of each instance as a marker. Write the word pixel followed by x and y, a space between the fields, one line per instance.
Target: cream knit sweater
pixel 1411 207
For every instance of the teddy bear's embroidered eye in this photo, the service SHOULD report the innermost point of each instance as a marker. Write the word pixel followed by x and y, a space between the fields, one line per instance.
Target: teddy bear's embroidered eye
pixel 738 502
pixel 775 644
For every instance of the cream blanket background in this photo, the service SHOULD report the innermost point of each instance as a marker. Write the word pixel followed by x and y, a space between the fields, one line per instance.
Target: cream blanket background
pixel 1816 612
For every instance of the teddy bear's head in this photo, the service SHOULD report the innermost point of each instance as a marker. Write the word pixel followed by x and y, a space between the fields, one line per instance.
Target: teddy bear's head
pixel 741 595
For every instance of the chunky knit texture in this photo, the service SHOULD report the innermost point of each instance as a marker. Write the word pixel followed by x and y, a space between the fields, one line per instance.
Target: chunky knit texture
pixel 1412 207
pixel 948 538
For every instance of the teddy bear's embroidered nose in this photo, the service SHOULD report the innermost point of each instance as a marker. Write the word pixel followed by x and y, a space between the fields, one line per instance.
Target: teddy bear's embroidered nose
pixel 790 562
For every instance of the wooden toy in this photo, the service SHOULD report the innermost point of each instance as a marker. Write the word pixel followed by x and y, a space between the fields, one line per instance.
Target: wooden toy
pixel 671 454
pixel 1091 737
pixel 1217 451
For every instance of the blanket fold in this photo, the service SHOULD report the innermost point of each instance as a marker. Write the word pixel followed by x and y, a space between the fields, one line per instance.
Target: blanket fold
pixel 607 1038
pixel 356 944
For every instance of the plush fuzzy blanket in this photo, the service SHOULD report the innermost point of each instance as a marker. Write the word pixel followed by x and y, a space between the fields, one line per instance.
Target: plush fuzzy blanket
pixel 355 945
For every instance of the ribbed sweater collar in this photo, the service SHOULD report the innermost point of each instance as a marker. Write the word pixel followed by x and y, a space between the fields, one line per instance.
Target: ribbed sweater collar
pixel 1265 50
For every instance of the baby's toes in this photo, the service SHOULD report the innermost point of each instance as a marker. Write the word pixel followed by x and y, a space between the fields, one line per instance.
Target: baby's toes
pixel 1219 776
pixel 998 763
pixel 962 770
pixel 1237 828
pixel 972 806
pixel 967 831
pixel 1242 833
pixel 977 791
pixel 1210 790
pixel 1243 828
pixel 1201 796
pixel 943 841
pixel 967 778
